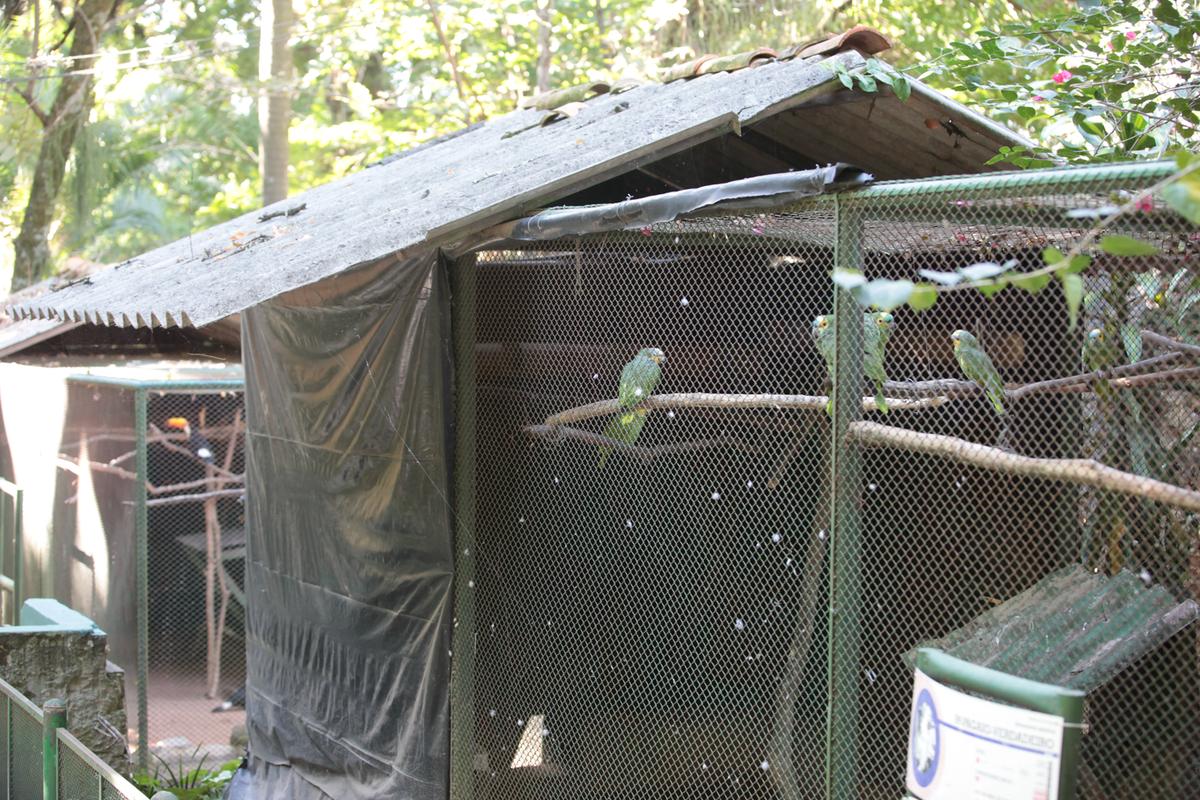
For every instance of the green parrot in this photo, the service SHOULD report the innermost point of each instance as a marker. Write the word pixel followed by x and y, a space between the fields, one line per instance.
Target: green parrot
pixel 978 367
pixel 639 378
pixel 876 330
pixel 1097 355
pixel 822 334
pixel 877 327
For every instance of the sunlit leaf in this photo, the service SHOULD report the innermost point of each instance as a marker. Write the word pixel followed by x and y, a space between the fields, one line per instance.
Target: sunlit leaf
pixel 902 88
pixel 1184 196
pixel 1030 282
pixel 1052 255
pixel 1119 245
pixel 944 278
pixel 1072 287
pixel 982 271
pixel 923 296
pixel 848 279
pixel 885 294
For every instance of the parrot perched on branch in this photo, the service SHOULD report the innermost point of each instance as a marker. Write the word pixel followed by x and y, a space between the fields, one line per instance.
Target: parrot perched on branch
pixel 639 378
pixel 976 365
pixel 877 327
pixel 1098 355
pixel 876 330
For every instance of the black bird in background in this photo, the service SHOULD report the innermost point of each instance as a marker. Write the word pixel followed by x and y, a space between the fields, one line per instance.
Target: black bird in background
pixel 235 700
pixel 196 441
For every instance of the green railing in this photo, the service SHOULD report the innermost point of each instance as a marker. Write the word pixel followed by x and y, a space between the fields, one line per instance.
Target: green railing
pixel 41 758
pixel 11 527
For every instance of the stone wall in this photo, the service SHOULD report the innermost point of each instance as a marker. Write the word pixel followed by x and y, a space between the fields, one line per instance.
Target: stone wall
pixel 47 661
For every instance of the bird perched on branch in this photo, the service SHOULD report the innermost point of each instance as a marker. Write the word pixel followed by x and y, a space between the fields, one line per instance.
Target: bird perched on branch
pixel 1098 354
pixel 196 441
pixel 639 378
pixel 978 367
pixel 877 328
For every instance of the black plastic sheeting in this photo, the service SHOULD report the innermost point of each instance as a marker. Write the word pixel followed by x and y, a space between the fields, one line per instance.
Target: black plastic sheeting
pixel 763 191
pixel 351 552
pixel 350 563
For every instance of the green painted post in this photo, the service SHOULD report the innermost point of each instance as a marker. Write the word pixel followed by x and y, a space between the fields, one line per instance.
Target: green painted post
pixel 845 544
pixel 142 580
pixel 462 709
pixel 19 555
pixel 54 716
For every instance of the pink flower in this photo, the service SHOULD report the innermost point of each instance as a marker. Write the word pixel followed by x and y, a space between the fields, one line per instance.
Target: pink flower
pixel 1037 98
pixel 1145 204
pixel 646 231
pixel 1131 35
pixel 1061 76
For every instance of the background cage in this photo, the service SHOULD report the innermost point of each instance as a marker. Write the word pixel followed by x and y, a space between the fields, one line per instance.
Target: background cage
pixel 132 508
pixel 728 608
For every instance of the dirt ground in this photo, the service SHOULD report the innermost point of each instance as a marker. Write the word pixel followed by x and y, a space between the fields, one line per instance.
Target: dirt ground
pixel 182 720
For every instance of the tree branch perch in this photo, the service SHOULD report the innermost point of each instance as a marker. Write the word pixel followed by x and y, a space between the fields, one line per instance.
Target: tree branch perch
pixel 1082 471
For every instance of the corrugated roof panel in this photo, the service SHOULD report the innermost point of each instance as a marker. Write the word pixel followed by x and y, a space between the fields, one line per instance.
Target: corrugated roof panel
pixel 1073 628
pixel 496 171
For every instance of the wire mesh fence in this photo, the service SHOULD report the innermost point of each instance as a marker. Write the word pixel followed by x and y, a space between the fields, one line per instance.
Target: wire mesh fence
pixel 195 549
pixel 685 571
pixel 151 543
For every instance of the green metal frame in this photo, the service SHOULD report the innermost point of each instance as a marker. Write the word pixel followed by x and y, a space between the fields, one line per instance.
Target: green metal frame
pixel 141 391
pixel 12 507
pixel 1043 697
pixel 56 737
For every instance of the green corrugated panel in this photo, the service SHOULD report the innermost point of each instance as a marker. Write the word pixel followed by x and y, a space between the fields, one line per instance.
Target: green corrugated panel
pixel 1073 628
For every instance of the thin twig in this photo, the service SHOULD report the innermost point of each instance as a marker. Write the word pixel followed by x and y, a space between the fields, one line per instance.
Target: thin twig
pixel 179 499
pixel 660 402
pixel 197 484
pixel 77 466
pixel 646 454
pixel 1165 341
pixel 1082 471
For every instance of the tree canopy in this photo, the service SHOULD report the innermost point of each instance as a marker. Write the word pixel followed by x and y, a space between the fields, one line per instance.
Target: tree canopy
pixel 170 143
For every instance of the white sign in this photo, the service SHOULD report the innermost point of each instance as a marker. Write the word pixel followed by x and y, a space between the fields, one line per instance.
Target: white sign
pixel 962 747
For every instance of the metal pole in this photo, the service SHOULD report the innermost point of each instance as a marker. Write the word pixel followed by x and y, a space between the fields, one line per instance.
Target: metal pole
pixel 19 556
pixel 845 544
pixel 462 675
pixel 142 594
pixel 54 716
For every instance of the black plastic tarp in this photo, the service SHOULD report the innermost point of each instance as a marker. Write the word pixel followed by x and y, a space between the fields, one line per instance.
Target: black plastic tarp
pixel 351 556
pixel 761 191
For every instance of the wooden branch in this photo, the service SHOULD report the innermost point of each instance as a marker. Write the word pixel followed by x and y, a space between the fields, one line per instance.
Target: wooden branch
pixel 660 402
pixel 197 484
pixel 953 387
pixel 645 454
pixel 34 106
pixel 194 498
pixel 1082 471
pixel 76 467
pixel 1150 337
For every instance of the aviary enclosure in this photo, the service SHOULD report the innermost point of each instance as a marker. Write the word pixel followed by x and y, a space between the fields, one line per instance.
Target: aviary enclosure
pixel 726 604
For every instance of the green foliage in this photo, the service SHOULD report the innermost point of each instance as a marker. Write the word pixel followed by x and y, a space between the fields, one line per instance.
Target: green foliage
pixel 197 783
pixel 1097 82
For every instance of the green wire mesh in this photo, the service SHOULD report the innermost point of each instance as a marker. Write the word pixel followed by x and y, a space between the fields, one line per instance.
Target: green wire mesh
pixel 25 754
pixel 727 605
pixel 76 780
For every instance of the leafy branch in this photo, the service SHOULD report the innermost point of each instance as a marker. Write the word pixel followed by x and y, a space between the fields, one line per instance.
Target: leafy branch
pixel 1180 191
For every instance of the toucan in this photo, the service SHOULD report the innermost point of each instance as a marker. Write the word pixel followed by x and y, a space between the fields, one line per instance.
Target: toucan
pixel 196 442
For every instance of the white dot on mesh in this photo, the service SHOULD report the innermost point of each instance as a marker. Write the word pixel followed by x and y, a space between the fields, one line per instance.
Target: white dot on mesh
pixel 740 624
pixel 491 712
pixel 776 538
pixel 765 765
pixel 1145 576
pixel 670 415
pixel 471 584
pixel 716 495
pixel 749 484
pixel 683 301
pixel 629 524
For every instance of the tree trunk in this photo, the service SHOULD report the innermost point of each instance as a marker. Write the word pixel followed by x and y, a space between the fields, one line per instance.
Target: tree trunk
pixel 274 97
pixel 61 124
pixel 544 9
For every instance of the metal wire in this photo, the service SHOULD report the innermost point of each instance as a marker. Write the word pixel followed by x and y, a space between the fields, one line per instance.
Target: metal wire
pixel 727 605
